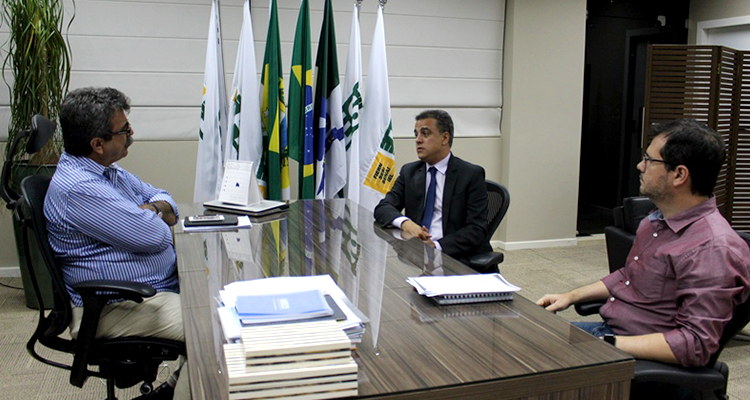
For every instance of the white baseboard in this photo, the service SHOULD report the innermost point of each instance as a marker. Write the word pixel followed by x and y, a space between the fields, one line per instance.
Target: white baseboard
pixel 534 244
pixel 10 272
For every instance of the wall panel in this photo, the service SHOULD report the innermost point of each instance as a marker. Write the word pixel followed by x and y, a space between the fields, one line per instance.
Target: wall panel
pixel 440 54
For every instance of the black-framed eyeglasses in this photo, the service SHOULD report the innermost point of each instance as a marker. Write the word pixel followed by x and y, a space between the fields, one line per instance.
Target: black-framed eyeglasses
pixel 647 158
pixel 126 130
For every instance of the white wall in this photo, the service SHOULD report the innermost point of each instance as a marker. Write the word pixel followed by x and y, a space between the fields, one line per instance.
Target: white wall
pixel 541 127
pixel 440 55
pixel 711 10
pixel 725 23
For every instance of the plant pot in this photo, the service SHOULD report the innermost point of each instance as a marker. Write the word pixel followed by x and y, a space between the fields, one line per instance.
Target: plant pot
pixel 21 171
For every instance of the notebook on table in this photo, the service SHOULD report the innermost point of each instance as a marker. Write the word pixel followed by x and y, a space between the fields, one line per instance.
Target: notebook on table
pixel 262 208
pixel 463 289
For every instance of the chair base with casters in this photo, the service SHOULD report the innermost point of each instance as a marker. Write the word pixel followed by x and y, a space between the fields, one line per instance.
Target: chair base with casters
pixel 123 361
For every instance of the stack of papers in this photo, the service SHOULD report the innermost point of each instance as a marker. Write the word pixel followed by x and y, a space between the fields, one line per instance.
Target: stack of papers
pixel 461 289
pixel 310 360
pixel 352 322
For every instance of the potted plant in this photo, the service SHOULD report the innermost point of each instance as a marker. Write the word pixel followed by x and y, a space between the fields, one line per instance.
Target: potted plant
pixel 37 55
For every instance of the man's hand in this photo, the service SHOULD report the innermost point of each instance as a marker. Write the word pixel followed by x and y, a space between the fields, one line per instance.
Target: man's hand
pixel 559 302
pixel 166 209
pixel 413 230
pixel 555 302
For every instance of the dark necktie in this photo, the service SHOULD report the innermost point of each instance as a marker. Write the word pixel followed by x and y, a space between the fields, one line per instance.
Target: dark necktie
pixel 429 204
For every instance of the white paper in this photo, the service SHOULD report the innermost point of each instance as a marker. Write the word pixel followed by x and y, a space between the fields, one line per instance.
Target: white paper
pixel 239 185
pixel 431 286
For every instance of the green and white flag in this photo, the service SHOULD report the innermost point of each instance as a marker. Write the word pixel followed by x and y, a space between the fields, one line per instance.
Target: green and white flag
pixel 330 150
pixel 378 163
pixel 208 170
pixel 352 93
pixel 245 139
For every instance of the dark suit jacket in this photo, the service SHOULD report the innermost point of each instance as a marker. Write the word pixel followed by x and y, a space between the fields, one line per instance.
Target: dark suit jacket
pixel 464 205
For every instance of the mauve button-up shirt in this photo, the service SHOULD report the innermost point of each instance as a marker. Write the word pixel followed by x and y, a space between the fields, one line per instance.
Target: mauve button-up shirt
pixel 684 276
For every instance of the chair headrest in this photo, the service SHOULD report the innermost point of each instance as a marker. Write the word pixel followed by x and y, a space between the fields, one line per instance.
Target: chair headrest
pixel 634 209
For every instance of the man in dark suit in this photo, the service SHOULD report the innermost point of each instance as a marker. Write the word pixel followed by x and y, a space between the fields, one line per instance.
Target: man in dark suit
pixel 445 198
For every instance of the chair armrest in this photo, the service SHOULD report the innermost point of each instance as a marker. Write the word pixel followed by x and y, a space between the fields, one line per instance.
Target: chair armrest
pixel 135 291
pixel 486 262
pixel 96 294
pixel 588 307
pixel 703 379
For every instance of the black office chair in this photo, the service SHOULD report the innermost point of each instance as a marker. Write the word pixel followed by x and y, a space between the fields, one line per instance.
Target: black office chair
pixel 123 361
pixel 710 381
pixel 620 237
pixel 498 203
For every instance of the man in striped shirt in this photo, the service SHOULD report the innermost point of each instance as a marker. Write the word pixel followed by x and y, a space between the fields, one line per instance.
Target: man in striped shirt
pixel 105 223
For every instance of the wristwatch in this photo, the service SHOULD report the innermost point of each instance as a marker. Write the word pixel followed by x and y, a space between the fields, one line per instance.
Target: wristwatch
pixel 159 213
pixel 609 338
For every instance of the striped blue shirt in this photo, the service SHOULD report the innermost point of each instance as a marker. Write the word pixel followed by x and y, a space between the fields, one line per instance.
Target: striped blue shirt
pixel 98 231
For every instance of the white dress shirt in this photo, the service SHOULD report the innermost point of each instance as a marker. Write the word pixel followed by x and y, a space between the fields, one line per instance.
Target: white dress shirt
pixel 436 227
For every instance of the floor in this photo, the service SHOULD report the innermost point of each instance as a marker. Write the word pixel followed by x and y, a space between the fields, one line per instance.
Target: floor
pixel 537 271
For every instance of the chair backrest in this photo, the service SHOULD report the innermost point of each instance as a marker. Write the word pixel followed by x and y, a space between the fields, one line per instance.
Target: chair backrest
pixel 634 209
pixel 740 318
pixel 498 202
pixel 33 190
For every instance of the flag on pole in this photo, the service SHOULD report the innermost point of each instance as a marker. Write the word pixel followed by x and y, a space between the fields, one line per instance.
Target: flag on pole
pixel 301 105
pixel 273 174
pixel 330 150
pixel 352 107
pixel 245 140
pixel 208 170
pixel 378 163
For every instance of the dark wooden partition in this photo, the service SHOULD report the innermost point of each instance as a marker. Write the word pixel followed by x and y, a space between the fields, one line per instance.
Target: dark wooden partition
pixel 710 84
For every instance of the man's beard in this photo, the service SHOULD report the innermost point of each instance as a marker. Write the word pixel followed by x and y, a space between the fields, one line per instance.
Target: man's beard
pixel 657 194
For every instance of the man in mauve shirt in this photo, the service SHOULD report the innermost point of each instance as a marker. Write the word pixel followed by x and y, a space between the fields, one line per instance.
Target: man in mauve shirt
pixel 688 269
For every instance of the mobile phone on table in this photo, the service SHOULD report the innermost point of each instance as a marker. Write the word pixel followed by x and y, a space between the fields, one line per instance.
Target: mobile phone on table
pixel 210 220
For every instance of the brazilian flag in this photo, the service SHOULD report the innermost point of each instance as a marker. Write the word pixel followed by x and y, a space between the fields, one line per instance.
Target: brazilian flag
pixel 301 104
pixel 273 174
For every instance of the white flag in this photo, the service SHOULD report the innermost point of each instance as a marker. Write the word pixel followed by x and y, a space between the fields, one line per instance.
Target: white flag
pixel 208 171
pixel 378 163
pixel 245 138
pixel 352 107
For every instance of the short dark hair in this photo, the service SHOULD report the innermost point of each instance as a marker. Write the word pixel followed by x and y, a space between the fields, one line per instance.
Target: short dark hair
pixel 444 121
pixel 697 147
pixel 87 113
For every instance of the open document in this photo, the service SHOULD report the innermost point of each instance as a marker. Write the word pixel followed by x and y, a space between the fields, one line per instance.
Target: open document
pixel 460 289
pixel 352 324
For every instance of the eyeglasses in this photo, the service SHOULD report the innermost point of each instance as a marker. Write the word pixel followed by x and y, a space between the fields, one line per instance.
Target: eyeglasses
pixel 647 159
pixel 126 130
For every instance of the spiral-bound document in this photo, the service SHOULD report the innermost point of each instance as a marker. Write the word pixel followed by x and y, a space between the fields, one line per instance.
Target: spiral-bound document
pixel 462 289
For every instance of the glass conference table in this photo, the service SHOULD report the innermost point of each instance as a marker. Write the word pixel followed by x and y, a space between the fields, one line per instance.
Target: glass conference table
pixel 412 348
